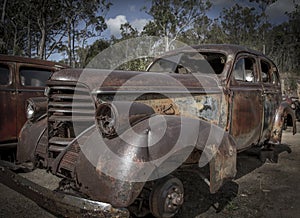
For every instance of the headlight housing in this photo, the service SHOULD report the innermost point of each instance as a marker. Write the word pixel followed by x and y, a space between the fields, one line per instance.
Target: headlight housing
pixel 106 119
pixel 293 106
pixel 114 118
pixel 35 108
pixel 29 111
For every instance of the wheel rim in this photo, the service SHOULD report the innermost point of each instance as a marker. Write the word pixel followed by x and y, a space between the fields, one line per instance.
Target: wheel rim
pixel 174 199
pixel 166 197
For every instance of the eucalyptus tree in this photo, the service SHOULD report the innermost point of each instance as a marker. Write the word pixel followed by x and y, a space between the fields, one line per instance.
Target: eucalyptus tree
pixel 241 25
pixel 84 19
pixel 173 17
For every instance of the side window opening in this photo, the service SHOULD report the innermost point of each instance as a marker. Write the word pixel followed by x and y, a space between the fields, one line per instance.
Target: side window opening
pixel 275 75
pixel 4 75
pixel 265 71
pixel 34 77
pixel 244 70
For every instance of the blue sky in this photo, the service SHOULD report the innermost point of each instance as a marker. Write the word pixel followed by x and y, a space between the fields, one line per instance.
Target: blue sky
pixel 130 11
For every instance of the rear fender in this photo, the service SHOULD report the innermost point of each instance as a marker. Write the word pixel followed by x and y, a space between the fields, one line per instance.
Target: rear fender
pixel 283 111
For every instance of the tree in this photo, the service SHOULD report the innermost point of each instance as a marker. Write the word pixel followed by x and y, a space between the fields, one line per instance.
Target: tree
pixel 86 54
pixel 263 4
pixel 40 27
pixel 241 25
pixel 127 31
pixel 284 43
pixel 84 19
pixel 199 32
pixel 48 18
pixel 173 17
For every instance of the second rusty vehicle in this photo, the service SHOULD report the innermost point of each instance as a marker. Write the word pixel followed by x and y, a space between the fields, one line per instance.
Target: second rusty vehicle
pixel 121 137
pixel 20 78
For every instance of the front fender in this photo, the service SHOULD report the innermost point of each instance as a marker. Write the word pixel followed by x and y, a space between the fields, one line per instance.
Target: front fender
pixel 283 111
pixel 115 170
pixel 29 137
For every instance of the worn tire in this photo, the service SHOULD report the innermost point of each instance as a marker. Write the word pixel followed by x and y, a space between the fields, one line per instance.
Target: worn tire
pixel 161 205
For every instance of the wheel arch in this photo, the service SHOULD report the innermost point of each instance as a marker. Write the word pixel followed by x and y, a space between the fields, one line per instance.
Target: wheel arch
pixel 282 113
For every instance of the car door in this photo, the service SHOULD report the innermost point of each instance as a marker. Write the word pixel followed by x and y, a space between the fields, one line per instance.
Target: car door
pixel 246 106
pixel 271 93
pixel 8 101
pixel 31 83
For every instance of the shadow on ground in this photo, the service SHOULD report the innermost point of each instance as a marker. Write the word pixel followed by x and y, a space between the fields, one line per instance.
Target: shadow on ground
pixel 198 199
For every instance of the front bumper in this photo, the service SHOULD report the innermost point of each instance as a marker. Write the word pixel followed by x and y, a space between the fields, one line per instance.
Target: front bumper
pixel 58 203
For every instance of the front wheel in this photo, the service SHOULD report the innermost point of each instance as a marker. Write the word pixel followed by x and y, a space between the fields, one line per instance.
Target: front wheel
pixel 166 197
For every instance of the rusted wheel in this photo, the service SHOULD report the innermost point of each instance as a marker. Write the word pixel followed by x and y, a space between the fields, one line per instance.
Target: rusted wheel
pixel 166 197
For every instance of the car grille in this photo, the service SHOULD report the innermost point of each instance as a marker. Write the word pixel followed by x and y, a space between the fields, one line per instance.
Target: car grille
pixel 70 111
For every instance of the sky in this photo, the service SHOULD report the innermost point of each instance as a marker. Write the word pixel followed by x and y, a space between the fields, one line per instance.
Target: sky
pixel 131 11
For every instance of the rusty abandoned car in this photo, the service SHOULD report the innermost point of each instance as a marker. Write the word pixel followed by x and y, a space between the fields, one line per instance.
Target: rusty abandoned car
pixel 120 137
pixel 20 78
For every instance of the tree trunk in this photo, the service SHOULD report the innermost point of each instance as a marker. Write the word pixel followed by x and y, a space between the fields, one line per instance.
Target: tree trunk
pixel 28 38
pixel 15 39
pixel 42 43
pixel 69 43
pixel 3 11
pixel 2 28
pixel 73 44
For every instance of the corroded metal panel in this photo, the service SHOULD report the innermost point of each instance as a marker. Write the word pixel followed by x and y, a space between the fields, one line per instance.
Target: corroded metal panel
pixel 247 115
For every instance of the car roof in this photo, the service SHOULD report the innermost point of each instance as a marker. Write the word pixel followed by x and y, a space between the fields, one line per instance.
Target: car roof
pixel 19 59
pixel 229 49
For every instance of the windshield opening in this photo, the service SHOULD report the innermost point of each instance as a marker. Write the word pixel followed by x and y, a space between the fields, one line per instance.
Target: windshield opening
pixel 190 62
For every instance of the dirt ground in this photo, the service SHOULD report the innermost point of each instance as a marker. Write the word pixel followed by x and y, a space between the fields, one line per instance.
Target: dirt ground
pixel 261 190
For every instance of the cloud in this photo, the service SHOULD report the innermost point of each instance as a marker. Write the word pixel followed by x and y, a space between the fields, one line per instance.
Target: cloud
pixel 276 11
pixel 139 24
pixel 114 24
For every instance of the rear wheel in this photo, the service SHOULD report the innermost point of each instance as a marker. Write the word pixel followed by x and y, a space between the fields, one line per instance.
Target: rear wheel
pixel 166 197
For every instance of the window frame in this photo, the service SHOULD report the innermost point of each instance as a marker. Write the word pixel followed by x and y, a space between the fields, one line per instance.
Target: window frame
pixel 256 75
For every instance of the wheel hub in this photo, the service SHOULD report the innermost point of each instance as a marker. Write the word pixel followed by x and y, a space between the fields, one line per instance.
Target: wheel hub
pixel 174 199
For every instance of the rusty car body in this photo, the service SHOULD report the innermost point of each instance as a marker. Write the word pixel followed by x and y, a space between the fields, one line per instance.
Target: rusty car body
pixel 207 112
pixel 20 78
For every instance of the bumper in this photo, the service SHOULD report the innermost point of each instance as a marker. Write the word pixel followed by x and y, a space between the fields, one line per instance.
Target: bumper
pixel 59 203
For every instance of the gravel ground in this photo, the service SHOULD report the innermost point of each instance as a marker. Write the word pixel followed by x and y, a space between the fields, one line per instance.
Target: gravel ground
pixel 268 190
pixel 13 204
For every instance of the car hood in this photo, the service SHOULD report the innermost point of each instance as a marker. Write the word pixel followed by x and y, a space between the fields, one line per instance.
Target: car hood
pixel 102 81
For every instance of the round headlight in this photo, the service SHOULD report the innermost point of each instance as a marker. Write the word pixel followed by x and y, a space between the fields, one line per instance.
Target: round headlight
pixel 293 106
pixel 106 119
pixel 29 111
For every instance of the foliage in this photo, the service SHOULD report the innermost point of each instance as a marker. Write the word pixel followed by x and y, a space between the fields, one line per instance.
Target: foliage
pixel 241 25
pixel 140 64
pixel 173 17
pixel 41 27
